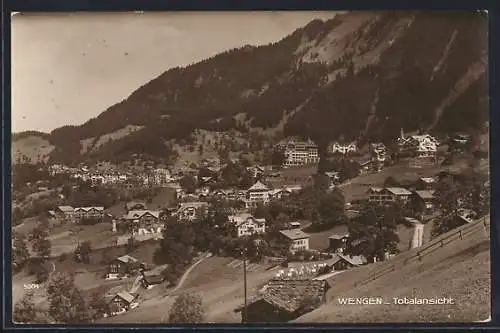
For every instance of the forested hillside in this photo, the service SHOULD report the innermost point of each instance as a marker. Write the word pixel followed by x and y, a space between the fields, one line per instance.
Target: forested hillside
pixel 357 76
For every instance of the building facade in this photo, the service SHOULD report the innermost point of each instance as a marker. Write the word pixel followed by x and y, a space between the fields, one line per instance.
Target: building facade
pixel 298 240
pixel 299 153
pixel 247 225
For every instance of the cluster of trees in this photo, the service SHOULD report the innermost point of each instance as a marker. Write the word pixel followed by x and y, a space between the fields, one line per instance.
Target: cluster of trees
pixel 67 304
pixel 232 175
pixel 27 173
pixel 372 234
pixel 346 167
pixel 82 252
pixel 187 309
pixel 276 81
pixel 468 191
pixel 87 195
pixel 42 247
pixel 20 252
pixel 323 208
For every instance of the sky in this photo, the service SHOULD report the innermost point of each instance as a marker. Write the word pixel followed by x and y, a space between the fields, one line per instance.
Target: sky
pixel 70 67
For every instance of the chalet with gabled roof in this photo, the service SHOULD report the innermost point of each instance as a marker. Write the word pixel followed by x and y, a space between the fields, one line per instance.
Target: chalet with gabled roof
pixel 123 266
pixel 388 195
pixel 135 205
pixel 89 212
pixel 344 149
pixel 297 239
pixel 247 225
pixel 284 300
pixel 257 193
pixel 338 240
pixel 65 212
pixel 123 302
pixel 424 201
pixel 189 211
pixel 345 262
pixel 143 221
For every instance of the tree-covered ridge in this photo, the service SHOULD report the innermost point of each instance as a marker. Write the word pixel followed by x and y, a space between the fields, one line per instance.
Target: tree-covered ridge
pixel 421 57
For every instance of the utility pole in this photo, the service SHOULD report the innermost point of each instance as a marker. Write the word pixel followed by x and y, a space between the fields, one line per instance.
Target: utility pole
pixel 244 317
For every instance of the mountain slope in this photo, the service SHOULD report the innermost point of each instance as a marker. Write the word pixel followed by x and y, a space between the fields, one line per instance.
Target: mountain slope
pixel 360 75
pixel 460 270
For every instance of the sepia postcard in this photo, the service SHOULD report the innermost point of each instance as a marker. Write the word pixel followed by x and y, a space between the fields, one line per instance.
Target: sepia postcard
pixel 250 167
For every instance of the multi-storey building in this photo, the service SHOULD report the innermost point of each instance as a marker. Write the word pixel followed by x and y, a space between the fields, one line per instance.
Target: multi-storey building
pixel 258 193
pixel 339 148
pixel 297 239
pixel 247 225
pixel 189 211
pixel 143 221
pixel 299 153
pixel 388 195
pixel 424 145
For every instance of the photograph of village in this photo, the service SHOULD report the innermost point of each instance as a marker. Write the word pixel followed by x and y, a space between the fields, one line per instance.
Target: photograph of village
pixel 250 167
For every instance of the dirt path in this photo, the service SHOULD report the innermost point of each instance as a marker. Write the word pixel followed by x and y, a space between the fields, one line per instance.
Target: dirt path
pixel 181 282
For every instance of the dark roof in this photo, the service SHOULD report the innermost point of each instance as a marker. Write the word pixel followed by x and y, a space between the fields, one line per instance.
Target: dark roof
pixel 288 295
pixel 339 232
pixel 126 296
pixel 154 279
pixel 132 204
pixel 294 234
pixel 425 194
pixel 353 260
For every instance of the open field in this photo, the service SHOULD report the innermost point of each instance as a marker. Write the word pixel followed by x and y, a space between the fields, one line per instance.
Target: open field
pixel 452 271
pixel 88 277
pixel 219 284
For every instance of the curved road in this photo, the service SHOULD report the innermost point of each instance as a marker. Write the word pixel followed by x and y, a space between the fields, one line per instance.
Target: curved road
pixel 182 280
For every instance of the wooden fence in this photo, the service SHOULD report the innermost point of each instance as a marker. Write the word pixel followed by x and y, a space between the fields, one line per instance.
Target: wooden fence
pixel 436 244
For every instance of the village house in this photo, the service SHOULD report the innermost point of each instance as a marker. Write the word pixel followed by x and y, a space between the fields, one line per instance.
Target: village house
pixel 344 262
pixel 424 202
pixel 64 213
pixel 96 180
pixel 293 225
pixel 279 193
pixel 152 277
pixel 89 212
pixel 299 153
pixel 388 195
pixel 189 211
pixel 333 178
pixel 284 300
pixel 338 242
pixel 298 240
pixel 255 171
pixel 257 193
pixel 421 148
pixel 179 191
pixel 135 205
pixel 141 222
pixel 123 266
pixel 247 225
pixel 207 181
pixel 458 142
pixel 344 149
pixel 161 176
pixel 123 302
pixel 425 183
